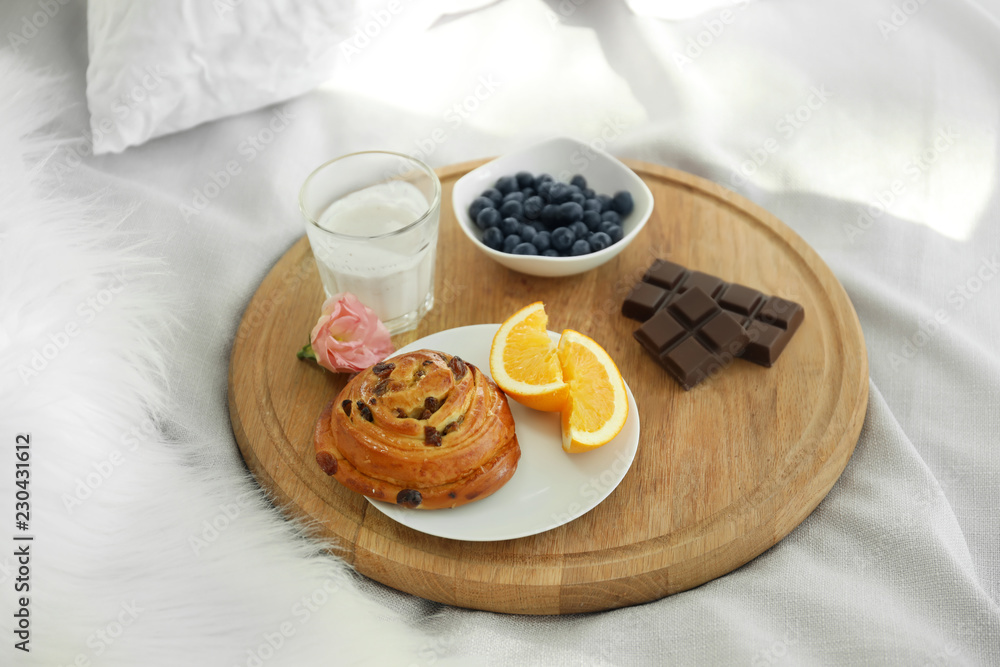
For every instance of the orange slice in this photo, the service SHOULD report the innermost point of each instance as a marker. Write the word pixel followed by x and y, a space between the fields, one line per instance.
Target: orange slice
pixel 598 405
pixel 524 363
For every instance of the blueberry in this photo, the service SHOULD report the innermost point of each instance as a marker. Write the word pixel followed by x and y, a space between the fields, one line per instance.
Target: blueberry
pixel 592 219
pixel 478 204
pixel 579 229
pixel 579 181
pixel 550 253
pixel 533 207
pixel 599 241
pixel 543 178
pixel 512 209
pixel 542 241
pixel 550 213
pixel 616 233
pixel 622 203
pixel 506 184
pixel 592 205
pixel 493 195
pixel 579 247
pixel 605 202
pixel 488 217
pixel 612 230
pixel 509 226
pixel 578 198
pixel 518 196
pixel 559 193
pixel 611 216
pixel 545 190
pixel 524 179
pixel 569 213
pixel 527 233
pixel 537 225
pixel 525 249
pixel 493 238
pixel 511 242
pixel 528 192
pixel 589 193
pixel 562 238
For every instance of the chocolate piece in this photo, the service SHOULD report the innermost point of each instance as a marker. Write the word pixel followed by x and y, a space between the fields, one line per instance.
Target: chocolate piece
pixel 692 337
pixel 770 321
pixel 770 329
pixel 644 300
pixel 664 274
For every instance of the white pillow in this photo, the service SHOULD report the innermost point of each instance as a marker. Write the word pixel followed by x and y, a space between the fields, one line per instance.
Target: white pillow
pixel 159 66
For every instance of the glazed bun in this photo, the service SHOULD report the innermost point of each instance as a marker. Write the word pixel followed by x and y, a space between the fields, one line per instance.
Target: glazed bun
pixel 424 430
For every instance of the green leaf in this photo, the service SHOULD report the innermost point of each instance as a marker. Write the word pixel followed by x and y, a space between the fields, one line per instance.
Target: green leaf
pixel 306 352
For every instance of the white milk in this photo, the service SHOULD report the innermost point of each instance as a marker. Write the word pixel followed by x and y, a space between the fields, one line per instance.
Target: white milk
pixel 394 275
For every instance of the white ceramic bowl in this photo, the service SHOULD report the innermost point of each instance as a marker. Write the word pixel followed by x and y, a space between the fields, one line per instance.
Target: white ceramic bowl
pixel 562 158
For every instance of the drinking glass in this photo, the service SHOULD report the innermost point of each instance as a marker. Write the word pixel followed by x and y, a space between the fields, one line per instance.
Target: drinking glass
pixel 372 221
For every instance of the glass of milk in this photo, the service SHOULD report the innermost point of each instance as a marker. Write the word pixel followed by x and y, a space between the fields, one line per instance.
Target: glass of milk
pixel 372 222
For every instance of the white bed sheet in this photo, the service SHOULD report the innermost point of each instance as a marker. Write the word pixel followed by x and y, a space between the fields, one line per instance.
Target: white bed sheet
pixel 868 127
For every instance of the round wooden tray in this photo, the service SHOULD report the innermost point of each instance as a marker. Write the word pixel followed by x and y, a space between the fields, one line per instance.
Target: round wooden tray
pixel 723 471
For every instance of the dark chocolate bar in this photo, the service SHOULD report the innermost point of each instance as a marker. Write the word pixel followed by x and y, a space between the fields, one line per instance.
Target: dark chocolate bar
pixel 769 321
pixel 692 337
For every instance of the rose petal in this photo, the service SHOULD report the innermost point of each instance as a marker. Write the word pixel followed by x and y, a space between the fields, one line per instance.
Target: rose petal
pixel 349 335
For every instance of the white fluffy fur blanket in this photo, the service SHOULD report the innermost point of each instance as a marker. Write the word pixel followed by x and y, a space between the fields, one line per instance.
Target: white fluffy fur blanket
pixel 140 555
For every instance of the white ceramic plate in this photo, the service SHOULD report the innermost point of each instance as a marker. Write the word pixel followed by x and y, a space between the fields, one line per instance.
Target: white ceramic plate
pixel 549 488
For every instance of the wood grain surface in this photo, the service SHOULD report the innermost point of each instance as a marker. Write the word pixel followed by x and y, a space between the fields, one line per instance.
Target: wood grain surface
pixel 722 473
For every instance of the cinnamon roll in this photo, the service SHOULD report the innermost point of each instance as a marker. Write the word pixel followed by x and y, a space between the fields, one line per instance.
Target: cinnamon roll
pixel 424 430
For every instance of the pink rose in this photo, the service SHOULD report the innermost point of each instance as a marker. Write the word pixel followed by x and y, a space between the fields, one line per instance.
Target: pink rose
pixel 349 335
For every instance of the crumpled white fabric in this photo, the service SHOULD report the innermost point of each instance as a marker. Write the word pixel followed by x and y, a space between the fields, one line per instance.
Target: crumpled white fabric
pixel 157 67
pixel 870 128
pixel 160 66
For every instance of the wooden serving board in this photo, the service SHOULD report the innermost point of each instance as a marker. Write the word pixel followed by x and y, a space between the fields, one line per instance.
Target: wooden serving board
pixel 722 473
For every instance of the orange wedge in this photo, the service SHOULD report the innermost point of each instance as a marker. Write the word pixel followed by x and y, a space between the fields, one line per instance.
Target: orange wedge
pixel 524 363
pixel 598 405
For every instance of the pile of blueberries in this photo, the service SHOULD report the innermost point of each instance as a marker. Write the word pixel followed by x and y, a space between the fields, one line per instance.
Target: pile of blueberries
pixel 528 215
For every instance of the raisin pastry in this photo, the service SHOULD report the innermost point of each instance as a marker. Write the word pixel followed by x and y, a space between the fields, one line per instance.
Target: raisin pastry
pixel 424 430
